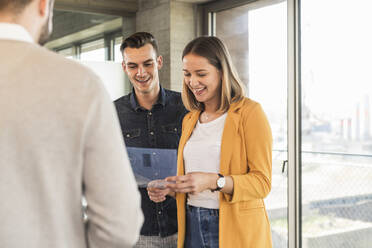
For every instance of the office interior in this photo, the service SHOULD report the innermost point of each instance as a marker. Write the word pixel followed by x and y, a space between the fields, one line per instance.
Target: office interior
pixel 306 61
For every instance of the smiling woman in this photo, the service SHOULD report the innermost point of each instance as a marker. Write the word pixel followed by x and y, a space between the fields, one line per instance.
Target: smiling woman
pixel 208 55
pixel 224 155
pixel 204 81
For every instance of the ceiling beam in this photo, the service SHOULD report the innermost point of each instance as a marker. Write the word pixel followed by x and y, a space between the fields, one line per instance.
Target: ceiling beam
pixel 85 34
pixel 107 7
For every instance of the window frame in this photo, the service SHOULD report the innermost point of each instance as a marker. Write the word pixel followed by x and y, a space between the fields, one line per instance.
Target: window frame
pixel 109 42
pixel 208 20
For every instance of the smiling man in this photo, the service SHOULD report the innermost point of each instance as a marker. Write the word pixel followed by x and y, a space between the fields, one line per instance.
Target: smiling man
pixel 150 117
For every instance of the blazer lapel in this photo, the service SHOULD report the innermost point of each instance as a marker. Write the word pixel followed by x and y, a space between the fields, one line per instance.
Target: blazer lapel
pixel 228 137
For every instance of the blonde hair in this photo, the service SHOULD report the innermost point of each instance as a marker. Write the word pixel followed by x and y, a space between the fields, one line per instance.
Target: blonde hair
pixel 215 51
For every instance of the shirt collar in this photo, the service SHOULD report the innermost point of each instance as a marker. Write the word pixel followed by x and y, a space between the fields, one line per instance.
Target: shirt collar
pixel 10 31
pixel 134 103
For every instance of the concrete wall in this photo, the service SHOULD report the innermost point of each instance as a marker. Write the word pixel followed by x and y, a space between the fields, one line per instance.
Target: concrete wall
pixel 236 39
pixel 129 26
pixel 172 24
pixel 153 16
pixel 182 31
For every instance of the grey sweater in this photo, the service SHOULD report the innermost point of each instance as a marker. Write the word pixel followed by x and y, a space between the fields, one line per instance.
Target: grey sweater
pixel 59 140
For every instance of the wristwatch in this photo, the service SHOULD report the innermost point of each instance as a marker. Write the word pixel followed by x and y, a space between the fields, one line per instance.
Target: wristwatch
pixel 221 181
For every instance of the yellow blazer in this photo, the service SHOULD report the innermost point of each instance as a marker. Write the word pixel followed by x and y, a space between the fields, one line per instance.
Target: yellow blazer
pixel 246 149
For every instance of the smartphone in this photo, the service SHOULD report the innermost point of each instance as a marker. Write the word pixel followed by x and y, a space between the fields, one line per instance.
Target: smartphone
pixel 159 184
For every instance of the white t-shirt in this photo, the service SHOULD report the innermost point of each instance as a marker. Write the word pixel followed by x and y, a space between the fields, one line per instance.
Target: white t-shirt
pixel 202 154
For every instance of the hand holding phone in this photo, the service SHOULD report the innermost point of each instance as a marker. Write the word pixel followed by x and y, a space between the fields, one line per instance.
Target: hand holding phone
pixel 158 184
pixel 157 190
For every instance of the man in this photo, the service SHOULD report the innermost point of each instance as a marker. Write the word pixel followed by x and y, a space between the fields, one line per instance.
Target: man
pixel 59 140
pixel 150 117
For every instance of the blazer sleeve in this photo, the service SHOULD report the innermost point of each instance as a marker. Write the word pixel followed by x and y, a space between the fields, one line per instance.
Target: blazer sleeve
pixel 114 212
pixel 256 184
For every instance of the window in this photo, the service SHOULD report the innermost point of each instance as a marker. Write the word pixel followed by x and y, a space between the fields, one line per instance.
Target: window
pixel 68 52
pixel 256 36
pixel 117 54
pixel 335 105
pixel 336 138
pixel 93 51
pixel 100 54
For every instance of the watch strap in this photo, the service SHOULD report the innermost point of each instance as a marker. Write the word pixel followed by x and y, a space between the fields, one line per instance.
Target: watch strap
pixel 218 188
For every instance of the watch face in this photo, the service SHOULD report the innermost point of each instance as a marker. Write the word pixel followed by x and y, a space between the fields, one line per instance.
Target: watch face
pixel 221 182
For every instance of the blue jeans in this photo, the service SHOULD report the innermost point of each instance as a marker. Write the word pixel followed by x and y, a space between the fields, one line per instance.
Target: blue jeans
pixel 202 225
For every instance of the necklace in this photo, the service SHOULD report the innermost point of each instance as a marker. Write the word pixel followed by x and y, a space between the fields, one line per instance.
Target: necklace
pixel 205 117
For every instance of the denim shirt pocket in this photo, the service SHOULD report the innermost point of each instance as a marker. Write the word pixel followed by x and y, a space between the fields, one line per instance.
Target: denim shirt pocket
pixel 171 128
pixel 131 133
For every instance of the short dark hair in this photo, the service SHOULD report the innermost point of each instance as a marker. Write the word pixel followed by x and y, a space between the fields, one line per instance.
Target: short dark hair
pixel 14 5
pixel 138 40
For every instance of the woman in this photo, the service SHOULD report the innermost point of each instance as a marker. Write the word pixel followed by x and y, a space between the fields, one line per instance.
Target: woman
pixel 224 156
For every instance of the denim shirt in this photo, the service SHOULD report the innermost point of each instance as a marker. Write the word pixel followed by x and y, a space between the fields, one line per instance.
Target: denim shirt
pixel 159 127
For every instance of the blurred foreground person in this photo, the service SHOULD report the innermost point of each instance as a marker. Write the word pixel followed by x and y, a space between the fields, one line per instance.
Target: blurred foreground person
pixel 60 140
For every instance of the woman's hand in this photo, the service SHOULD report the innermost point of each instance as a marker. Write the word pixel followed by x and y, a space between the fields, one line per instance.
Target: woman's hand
pixel 157 190
pixel 193 182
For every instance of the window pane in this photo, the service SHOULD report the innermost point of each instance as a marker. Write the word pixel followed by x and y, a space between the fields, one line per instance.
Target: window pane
pixel 256 35
pixel 68 52
pixel 336 144
pixel 117 54
pixel 93 51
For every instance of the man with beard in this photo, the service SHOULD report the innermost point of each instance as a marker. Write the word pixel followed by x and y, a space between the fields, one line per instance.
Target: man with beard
pixel 150 118
pixel 59 140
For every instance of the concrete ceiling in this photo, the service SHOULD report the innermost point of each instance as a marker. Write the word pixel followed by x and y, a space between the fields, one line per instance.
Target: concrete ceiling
pixel 195 1
pixel 109 7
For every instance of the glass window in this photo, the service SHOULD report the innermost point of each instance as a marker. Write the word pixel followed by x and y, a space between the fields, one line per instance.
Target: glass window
pixel 336 139
pixel 256 36
pixel 117 54
pixel 68 52
pixel 93 51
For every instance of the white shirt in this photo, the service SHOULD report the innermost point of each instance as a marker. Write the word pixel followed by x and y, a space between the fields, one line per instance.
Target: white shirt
pixel 10 31
pixel 202 154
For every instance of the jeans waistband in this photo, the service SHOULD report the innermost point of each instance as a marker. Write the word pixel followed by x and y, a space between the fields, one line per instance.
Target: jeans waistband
pixel 201 210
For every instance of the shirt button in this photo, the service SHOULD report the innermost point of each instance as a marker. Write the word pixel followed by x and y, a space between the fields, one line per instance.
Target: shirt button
pixel 128 135
pixel 159 212
pixel 175 129
pixel 152 133
pixel 150 113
